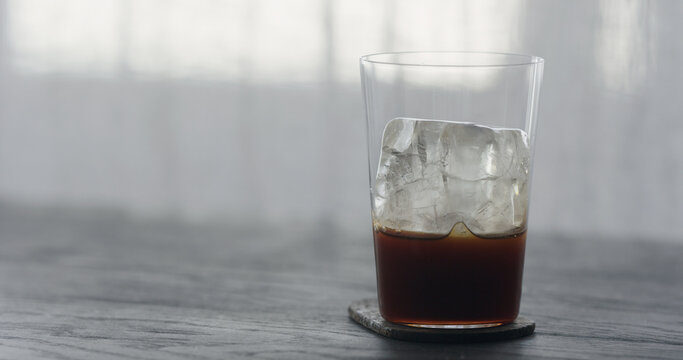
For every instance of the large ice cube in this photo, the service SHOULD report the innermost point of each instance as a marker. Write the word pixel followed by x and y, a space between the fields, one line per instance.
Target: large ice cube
pixel 434 174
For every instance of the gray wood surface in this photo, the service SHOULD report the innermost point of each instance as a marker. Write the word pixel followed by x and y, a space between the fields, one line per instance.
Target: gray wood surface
pixel 101 285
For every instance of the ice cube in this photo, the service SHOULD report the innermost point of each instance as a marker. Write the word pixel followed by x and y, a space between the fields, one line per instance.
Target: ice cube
pixel 434 174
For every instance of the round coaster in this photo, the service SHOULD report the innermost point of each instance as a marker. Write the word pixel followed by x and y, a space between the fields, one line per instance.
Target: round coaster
pixel 366 313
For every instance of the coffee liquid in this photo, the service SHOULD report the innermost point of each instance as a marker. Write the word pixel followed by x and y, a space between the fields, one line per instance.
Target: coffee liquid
pixel 458 279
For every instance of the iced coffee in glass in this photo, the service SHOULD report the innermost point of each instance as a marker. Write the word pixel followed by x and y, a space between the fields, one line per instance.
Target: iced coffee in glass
pixel 450 149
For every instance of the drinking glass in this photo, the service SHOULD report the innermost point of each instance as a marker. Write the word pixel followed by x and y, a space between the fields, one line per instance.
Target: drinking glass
pixel 450 147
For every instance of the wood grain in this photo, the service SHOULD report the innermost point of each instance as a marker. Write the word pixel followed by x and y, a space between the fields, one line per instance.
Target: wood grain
pixel 98 284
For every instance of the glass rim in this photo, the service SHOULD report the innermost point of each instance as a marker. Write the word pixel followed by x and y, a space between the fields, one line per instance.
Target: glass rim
pixel 523 59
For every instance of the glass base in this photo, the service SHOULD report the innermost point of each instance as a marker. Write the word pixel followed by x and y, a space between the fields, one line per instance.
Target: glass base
pixel 454 326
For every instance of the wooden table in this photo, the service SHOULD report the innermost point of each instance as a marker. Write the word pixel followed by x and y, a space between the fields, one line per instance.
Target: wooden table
pixel 101 285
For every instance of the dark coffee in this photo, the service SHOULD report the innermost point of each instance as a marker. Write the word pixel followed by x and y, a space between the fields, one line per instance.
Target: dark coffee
pixel 456 279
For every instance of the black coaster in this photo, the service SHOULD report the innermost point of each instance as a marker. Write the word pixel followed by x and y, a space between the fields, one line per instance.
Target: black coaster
pixel 366 313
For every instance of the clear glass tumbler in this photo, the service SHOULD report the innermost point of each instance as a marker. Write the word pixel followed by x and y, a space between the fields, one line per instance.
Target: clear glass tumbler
pixel 450 149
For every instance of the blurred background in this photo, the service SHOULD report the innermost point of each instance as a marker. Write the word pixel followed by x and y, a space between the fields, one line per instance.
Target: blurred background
pixel 249 112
